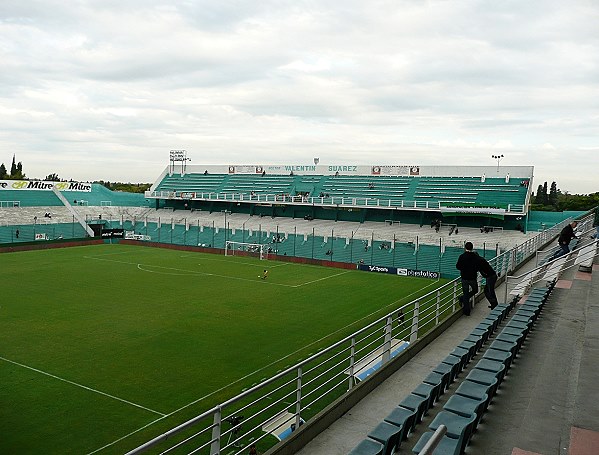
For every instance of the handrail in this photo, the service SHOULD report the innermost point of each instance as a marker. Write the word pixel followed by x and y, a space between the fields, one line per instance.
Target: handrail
pixel 361 201
pixel 585 220
pixel 434 441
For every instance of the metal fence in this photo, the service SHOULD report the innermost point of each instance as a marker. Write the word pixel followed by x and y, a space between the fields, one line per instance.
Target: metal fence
pixel 326 201
pixel 41 229
pixel 335 245
pixel 550 265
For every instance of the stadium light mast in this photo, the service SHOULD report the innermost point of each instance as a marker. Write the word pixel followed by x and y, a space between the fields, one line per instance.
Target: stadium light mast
pixel 181 156
pixel 226 212
pixel 498 158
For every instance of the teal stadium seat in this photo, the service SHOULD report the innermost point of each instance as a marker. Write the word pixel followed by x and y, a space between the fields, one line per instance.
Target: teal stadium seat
pixel 403 418
pixel 368 447
pixel 446 446
pixel 387 434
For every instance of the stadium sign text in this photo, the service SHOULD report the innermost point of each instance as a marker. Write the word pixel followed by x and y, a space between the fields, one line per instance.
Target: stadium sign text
pixel 343 168
pixel 400 271
pixel 419 273
pixel 309 168
pixel 39 185
pixel 374 268
pixel 131 235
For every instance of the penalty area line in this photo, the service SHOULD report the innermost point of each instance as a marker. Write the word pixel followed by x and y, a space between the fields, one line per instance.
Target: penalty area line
pixel 141 266
pixel 321 279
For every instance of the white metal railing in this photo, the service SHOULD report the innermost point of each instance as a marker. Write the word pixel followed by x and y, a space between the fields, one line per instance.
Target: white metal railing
pixel 7 204
pixel 312 383
pixel 301 390
pixel 319 200
pixel 433 442
pixel 548 270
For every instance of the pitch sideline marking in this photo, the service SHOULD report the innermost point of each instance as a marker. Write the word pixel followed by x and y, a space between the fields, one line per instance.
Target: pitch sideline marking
pixel 249 374
pixel 82 386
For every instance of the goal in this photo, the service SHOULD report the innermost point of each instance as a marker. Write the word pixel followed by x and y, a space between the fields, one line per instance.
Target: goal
pixel 244 249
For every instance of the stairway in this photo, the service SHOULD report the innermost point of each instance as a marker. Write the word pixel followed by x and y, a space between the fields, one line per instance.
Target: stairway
pixel 78 217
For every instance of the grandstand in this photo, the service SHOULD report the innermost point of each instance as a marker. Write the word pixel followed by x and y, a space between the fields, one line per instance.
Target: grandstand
pixel 478 195
pixel 383 218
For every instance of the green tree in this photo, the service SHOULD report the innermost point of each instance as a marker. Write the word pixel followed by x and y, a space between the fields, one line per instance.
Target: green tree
pixel 20 175
pixel 3 173
pixel 539 198
pixel 545 195
pixel 52 178
pixel 13 168
pixel 552 200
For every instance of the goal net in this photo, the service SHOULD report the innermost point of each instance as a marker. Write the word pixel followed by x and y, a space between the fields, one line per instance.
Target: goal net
pixel 245 249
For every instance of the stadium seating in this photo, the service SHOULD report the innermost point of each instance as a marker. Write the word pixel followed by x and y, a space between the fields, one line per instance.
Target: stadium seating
pixel 464 409
pixel 366 190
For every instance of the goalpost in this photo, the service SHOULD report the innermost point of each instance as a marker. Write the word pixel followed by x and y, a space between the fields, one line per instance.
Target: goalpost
pixel 248 249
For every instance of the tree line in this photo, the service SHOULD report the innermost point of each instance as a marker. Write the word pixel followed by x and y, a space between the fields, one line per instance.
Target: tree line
pixel 16 173
pixel 555 200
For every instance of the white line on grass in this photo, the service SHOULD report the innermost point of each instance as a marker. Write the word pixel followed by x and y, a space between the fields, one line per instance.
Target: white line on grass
pixel 239 262
pixel 82 386
pixel 321 279
pixel 187 272
pixel 141 267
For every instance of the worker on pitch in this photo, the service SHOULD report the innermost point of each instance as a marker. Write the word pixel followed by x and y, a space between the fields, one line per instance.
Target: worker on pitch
pixel 264 275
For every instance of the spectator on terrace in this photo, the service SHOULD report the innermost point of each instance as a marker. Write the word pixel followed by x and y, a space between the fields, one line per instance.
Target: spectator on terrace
pixel 468 265
pixel 564 239
pixel 490 276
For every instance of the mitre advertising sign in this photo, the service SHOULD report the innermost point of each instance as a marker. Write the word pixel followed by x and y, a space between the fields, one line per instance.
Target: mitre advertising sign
pixel 40 185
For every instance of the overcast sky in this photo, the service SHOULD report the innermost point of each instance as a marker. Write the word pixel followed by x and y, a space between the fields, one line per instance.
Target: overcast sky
pixel 104 89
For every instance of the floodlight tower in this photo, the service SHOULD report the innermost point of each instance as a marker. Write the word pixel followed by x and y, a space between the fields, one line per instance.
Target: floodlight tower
pixel 226 212
pixel 498 158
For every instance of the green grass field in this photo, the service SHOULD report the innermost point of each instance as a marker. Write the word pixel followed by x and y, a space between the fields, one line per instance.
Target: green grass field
pixel 101 341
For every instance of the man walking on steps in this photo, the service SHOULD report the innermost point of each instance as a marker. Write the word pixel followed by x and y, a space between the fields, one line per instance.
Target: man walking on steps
pixel 490 276
pixel 468 265
pixel 565 237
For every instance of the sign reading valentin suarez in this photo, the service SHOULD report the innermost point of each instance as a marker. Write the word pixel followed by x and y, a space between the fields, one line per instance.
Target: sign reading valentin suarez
pixel 400 271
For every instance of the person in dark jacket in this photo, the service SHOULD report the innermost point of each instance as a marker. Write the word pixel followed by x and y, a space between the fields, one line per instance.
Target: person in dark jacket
pixel 490 276
pixel 564 239
pixel 468 265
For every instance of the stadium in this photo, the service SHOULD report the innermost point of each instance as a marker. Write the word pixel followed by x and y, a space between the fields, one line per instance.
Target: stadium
pixel 238 305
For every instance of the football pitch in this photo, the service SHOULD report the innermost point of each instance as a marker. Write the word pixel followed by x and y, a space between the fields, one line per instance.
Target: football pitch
pixel 104 347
